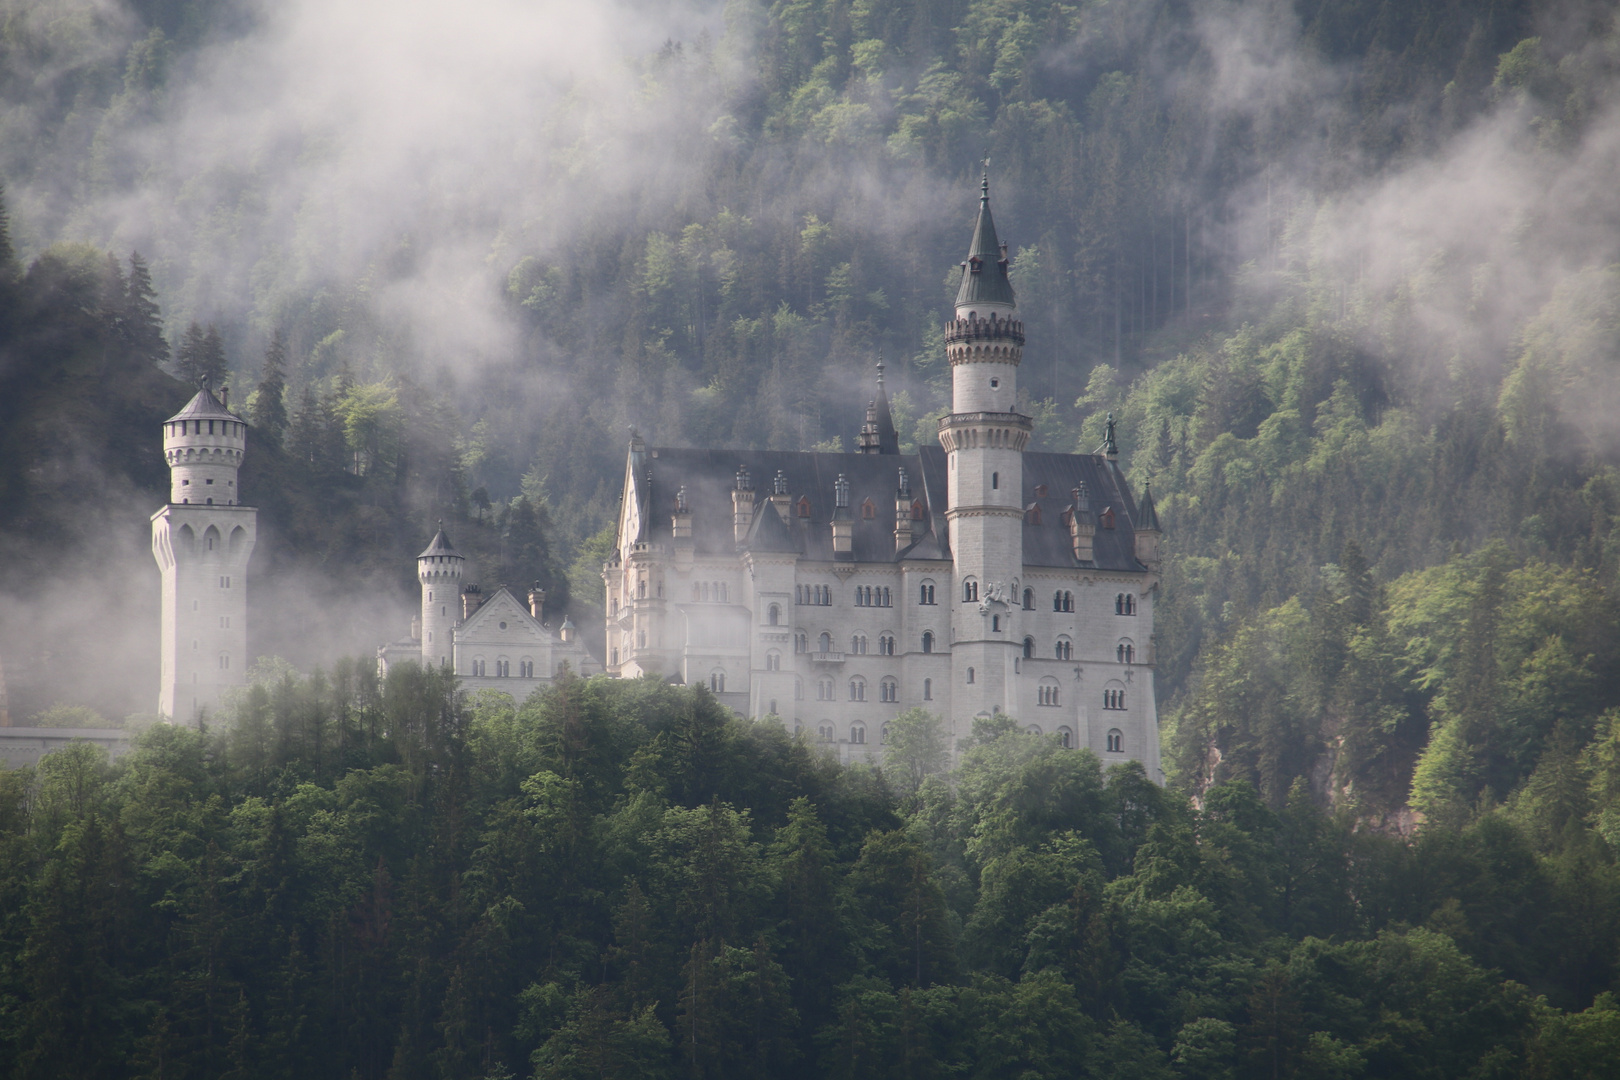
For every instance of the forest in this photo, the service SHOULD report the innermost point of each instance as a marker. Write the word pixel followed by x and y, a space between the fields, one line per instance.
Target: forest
pixel 1346 271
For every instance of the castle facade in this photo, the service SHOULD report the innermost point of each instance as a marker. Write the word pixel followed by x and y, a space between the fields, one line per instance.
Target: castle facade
pixel 835 591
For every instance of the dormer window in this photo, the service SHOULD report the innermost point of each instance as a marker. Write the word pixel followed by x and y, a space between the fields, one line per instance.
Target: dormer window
pixel 804 506
pixel 975 264
pixel 1108 518
pixel 868 510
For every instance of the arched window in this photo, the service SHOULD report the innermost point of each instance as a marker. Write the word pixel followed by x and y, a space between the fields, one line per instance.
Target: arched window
pixel 773 661
pixel 883 734
pixel 503 669
pixel 824 689
pixel 889 690
pixel 824 642
pixel 1029 599
pixel 1057 600
pixel 717 681
pixel 1064 649
pixel 826 732
pixel 1029 648
pixel 1125 653
pixel 641 589
pixel 868 510
pixel 526 667
pixel 1065 738
pixel 886 644
pixel 801 642
pixel 1125 604
pixel 995 480
pixel 697 591
pixel 773 615
pixel 928 641
pixel 478 667
pixel 804 506
pixel 916 510
pixel 1047 692
pixel 798 689
pixel 970 591
pixel 1033 729
pixel 969 674
pixel 926 595
pixel 857 644
pixel 886 601
pixel 857 689
pixel 1114 698
pixel 995 623
pixel 928 689
pixel 1116 741
pixel 857 734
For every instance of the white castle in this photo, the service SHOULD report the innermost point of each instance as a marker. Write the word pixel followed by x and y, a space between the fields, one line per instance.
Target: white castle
pixel 492 644
pixel 202 540
pixel 970 579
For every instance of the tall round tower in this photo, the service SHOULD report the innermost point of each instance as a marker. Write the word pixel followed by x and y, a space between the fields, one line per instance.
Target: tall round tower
pixel 202 541
pixel 984 438
pixel 439 569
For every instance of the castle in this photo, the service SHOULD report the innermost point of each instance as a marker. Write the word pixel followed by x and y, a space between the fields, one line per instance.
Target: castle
pixel 836 591
pixel 829 591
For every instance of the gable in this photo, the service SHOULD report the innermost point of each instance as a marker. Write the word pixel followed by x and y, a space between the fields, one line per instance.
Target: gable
pixel 485 624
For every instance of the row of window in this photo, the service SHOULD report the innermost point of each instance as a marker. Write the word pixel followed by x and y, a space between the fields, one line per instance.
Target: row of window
pixel 503 669
pixel 226 427
pixel 1115 739
pixel 880 596
pixel 714 591
pixel 1047 693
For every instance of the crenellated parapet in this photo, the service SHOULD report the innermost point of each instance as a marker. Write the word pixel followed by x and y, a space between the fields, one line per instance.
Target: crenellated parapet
pixel 990 340
pixel 984 431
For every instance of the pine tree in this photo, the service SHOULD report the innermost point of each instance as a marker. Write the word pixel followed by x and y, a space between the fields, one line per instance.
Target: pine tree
pixel 143 320
pixel 201 356
pixel 269 404
pixel 8 255
pixel 113 298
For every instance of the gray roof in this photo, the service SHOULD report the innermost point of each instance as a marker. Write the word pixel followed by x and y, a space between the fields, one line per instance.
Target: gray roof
pixel 440 546
pixel 709 478
pixel 205 406
pixel 984 275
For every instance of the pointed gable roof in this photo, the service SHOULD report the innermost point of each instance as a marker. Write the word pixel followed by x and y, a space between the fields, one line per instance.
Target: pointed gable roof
pixel 770 533
pixel 984 275
pixel 1147 515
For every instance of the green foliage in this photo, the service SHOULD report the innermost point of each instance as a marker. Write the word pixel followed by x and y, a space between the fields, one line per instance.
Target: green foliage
pixel 345 878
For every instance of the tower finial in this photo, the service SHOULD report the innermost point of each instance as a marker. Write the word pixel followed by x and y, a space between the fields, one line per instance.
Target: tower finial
pixel 880 365
pixel 984 183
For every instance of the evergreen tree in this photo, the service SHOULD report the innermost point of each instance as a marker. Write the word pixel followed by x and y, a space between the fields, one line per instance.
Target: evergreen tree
pixel 8 255
pixel 142 324
pixel 269 400
pixel 201 356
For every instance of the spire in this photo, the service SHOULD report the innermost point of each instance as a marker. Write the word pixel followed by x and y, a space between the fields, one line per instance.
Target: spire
pixel 877 434
pixel 1147 515
pixel 984 274
pixel 440 546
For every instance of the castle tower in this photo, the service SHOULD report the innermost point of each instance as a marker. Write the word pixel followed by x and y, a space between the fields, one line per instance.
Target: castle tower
pixel 202 541
pixel 439 569
pixel 984 438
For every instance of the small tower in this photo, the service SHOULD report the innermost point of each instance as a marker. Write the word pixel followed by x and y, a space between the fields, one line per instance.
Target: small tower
pixel 877 435
pixel 1146 529
pixel 202 541
pixel 439 569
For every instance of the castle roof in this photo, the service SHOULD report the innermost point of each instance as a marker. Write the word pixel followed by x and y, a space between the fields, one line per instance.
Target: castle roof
pixel 205 406
pixel 812 477
pixel 1147 515
pixel 984 274
pixel 439 546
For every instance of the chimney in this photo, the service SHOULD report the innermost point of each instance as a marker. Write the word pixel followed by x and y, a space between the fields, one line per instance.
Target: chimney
pixel 416 627
pixel 471 598
pixel 681 524
pixel 225 396
pixel 537 602
pixel 843 524
pixel 1081 527
pixel 780 498
pixel 902 513
pixel 742 504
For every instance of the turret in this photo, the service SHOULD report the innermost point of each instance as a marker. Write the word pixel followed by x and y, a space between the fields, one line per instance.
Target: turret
pixel 1146 529
pixel 877 434
pixel 203 444
pixel 439 568
pixel 902 512
pixel 1082 529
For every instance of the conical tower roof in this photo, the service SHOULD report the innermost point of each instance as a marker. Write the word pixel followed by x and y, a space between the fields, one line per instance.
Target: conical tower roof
pixel 440 546
pixel 1147 515
pixel 205 406
pixel 984 274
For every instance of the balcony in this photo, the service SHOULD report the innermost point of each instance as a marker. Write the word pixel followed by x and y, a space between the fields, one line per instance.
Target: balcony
pixel 826 657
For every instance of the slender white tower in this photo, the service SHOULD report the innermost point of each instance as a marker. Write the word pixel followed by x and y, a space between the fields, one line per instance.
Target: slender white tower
pixel 984 438
pixel 202 541
pixel 439 569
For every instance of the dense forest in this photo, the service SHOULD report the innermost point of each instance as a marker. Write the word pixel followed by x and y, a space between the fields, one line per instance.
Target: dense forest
pixel 623 879
pixel 1347 272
